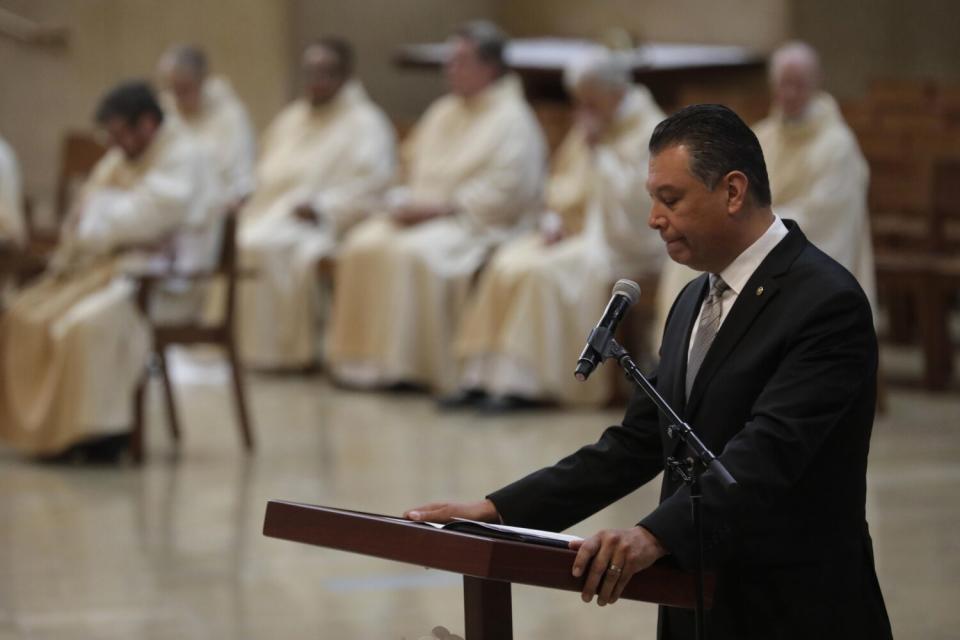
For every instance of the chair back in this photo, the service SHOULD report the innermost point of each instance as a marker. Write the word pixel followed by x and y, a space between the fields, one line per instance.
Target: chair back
pixel 79 154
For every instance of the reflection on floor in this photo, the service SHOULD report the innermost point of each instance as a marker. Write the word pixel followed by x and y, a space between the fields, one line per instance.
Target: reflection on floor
pixel 174 550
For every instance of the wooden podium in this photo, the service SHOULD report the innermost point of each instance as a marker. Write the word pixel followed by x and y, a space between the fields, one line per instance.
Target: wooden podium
pixel 488 565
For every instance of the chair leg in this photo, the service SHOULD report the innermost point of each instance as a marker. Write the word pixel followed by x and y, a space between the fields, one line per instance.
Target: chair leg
pixel 172 419
pixel 934 325
pixel 137 429
pixel 243 415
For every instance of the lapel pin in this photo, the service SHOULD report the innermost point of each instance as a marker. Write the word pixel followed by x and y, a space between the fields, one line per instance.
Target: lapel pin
pixel 759 291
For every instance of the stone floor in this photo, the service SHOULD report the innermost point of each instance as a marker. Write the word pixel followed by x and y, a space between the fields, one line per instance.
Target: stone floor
pixel 174 550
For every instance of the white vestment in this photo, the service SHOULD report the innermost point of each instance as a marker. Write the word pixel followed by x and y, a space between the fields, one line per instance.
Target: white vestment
pixel 338 158
pixel 223 127
pixel 74 346
pixel 535 303
pixel 399 291
pixel 819 178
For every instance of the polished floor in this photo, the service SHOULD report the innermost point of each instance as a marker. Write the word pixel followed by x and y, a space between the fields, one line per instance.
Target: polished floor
pixel 174 549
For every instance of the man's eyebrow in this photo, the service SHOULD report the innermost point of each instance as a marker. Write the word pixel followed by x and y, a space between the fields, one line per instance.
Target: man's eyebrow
pixel 664 188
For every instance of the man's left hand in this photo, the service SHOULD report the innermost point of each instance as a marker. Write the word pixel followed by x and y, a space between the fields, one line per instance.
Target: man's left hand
pixel 610 558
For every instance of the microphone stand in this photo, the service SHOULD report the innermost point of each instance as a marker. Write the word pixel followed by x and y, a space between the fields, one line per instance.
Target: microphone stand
pixel 688 470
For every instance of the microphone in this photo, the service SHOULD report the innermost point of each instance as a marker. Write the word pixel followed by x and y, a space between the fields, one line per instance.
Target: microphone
pixel 625 293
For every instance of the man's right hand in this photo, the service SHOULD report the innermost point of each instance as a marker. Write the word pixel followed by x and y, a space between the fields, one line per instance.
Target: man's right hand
pixel 441 512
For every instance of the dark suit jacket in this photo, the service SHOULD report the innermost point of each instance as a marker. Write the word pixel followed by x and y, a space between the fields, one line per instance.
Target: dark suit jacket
pixel 786 398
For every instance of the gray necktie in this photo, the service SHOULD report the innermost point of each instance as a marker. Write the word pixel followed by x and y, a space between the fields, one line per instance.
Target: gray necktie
pixel 706 329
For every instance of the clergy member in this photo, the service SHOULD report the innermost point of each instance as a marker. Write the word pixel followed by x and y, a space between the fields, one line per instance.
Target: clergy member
pixel 818 176
pixel 542 293
pixel 207 107
pixel 326 160
pixel 73 346
pixel 474 170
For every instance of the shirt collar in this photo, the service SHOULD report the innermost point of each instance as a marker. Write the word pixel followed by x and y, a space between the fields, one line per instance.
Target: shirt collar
pixel 739 271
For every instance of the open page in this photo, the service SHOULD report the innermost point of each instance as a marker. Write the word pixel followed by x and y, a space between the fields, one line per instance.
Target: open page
pixel 501 531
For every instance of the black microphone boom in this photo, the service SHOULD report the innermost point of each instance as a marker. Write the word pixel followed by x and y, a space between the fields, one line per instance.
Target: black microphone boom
pixel 625 293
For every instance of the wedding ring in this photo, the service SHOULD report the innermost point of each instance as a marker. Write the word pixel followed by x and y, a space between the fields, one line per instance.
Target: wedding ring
pixel 614 568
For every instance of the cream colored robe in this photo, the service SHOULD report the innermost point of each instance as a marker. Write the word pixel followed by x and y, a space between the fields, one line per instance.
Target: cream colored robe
pixel 535 304
pixel 339 158
pixel 399 292
pixel 223 127
pixel 12 225
pixel 73 346
pixel 819 177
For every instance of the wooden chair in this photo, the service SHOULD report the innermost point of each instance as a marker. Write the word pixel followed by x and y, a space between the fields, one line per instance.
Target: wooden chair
pixel 79 154
pixel 194 333
pixel 929 276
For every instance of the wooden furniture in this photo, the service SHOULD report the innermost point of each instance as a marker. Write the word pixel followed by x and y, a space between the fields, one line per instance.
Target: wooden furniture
pixel 488 566
pixel 926 272
pixel 220 334
pixel 80 151
pixel 908 131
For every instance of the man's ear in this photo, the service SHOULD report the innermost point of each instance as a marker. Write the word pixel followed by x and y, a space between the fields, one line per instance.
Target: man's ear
pixel 736 184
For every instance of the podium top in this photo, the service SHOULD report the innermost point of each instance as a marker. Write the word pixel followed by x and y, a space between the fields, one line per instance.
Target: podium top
pixel 467 554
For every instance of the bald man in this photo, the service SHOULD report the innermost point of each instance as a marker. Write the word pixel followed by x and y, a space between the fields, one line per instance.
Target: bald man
pixel 326 160
pixel 207 107
pixel 541 294
pixel 818 176
pixel 474 169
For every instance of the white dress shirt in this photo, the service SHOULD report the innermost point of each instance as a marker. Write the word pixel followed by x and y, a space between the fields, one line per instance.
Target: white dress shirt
pixel 741 269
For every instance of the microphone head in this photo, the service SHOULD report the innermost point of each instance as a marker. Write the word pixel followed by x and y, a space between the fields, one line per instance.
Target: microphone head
pixel 627 288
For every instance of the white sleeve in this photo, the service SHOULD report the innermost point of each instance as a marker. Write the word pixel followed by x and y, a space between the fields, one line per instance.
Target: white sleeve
pixel 150 212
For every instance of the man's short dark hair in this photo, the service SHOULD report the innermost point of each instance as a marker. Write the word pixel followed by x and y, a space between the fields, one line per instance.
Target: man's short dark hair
pixel 130 101
pixel 490 42
pixel 342 49
pixel 718 142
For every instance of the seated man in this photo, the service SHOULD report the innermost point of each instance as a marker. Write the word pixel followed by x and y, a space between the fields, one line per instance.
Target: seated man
pixel 541 294
pixel 817 174
pixel 474 169
pixel 207 107
pixel 325 159
pixel 73 346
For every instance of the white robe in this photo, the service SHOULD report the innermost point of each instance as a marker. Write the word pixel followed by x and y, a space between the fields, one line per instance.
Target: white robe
pixel 12 224
pixel 338 158
pixel 536 303
pixel 223 127
pixel 399 291
pixel 74 346
pixel 819 178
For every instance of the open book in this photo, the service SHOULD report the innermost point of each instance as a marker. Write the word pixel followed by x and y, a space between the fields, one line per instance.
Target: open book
pixel 501 531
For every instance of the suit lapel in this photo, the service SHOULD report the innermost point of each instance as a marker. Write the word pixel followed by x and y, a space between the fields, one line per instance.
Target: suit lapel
pixel 761 288
pixel 677 338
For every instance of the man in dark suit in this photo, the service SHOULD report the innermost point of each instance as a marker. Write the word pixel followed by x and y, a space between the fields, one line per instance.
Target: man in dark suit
pixel 771 357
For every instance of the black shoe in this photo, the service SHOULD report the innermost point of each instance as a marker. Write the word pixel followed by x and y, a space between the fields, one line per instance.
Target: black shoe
pixel 101 450
pixel 463 399
pixel 499 405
